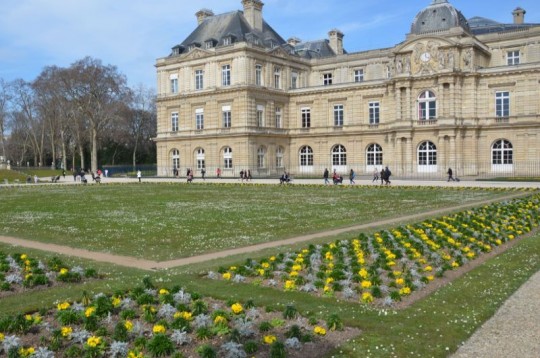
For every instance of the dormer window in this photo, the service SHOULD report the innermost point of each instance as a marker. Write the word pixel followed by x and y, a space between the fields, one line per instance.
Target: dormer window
pixel 209 44
pixel 227 41
pixel 192 47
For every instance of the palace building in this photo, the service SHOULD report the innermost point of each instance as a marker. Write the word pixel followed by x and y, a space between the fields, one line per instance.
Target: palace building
pixel 457 92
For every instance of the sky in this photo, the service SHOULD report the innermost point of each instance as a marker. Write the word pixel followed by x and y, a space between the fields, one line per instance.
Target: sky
pixel 132 34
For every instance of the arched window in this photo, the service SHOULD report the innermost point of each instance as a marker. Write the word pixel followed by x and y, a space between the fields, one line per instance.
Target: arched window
pixel 175 158
pixel 227 158
pixel 502 156
pixel 374 155
pixel 427 106
pixel 261 157
pixel 306 156
pixel 200 159
pixel 339 156
pixel 279 157
pixel 427 157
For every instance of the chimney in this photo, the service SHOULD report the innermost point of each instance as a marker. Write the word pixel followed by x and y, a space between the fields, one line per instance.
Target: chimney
pixel 293 41
pixel 336 41
pixel 203 14
pixel 253 13
pixel 519 16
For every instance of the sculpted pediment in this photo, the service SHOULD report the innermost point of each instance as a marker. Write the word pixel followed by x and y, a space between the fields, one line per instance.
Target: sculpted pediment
pixel 426 56
pixel 278 51
pixel 196 53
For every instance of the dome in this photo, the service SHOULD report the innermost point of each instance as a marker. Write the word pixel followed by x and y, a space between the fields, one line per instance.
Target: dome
pixel 438 16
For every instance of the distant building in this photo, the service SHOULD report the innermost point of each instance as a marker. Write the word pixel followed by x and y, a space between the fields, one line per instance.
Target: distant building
pixel 456 93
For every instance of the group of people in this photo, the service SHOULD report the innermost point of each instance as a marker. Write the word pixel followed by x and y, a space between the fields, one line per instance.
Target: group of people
pixel 285 178
pixel 245 175
pixel 337 178
pixel 383 176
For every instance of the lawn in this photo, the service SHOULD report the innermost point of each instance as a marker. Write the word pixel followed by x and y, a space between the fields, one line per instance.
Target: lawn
pixel 167 221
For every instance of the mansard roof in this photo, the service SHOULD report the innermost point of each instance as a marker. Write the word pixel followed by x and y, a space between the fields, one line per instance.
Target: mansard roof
pixel 481 25
pixel 314 49
pixel 438 16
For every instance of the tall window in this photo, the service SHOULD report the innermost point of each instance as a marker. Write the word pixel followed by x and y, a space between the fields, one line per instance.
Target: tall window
pixel 227 158
pixel 199 118
pixel 306 117
pixel 374 112
pixel 339 155
pixel 258 75
pixel 359 75
pixel 427 154
pixel 277 77
pixel 502 104
pixel 306 156
pixel 374 155
pixel 261 157
pixel 174 121
pixel 327 79
pixel 502 152
pixel 200 159
pixel 294 80
pixel 199 79
pixel 512 58
pixel 279 157
pixel 175 158
pixel 226 115
pixel 260 115
pixel 279 123
pixel 338 115
pixel 226 75
pixel 174 83
pixel 427 106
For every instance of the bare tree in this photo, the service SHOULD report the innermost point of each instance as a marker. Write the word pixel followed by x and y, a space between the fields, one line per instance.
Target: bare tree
pixel 4 102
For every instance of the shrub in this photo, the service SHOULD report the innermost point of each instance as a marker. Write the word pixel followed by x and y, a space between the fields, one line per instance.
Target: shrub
pixel 277 350
pixel 160 345
pixel 206 351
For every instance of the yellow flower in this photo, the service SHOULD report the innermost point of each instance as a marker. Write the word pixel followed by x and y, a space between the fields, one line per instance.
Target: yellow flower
pixel 2 337
pixel 297 267
pixel 237 308
pixel 265 265
pixel 367 297
pixel 24 257
pixel 363 273
pixel 116 301
pixel 397 273
pixel 261 272
pixel 28 317
pixel 272 258
pixel 269 339
pixel 226 276
pixel 66 331
pixel 128 325
pixel 289 285
pixel 220 319
pixel 327 288
pixel 63 306
pixel 366 284
pixel 405 291
pixel 428 268
pixel 232 268
pixel 430 277
pixel 89 311
pixel 132 354
pixel 319 330
pixel 293 274
pixel 64 271
pixel 158 328
pixel 93 341
pixel 26 352
pixel 163 291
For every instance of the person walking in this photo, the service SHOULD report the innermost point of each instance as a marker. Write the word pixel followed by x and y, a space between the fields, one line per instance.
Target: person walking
pixel 325 176
pixel 450 175
pixel 203 173
pixel 375 175
pixel 139 175
pixel 352 175
pixel 218 173
pixel 387 174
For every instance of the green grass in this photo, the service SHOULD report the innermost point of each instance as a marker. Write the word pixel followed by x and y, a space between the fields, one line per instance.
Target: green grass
pixel 11 176
pixel 166 221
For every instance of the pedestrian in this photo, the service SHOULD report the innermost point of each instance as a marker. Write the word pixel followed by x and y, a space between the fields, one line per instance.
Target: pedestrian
pixel 382 174
pixel 375 175
pixel 249 174
pixel 218 173
pixel 387 174
pixel 36 180
pixel 450 175
pixel 106 173
pixel 139 175
pixel 352 175
pixel 64 173
pixel 242 175
pixel 325 176
pixel 203 173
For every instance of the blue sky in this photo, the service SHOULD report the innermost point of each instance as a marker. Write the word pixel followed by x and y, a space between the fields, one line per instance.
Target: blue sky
pixel 132 34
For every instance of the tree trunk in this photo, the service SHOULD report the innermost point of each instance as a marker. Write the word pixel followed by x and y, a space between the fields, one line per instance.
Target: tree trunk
pixel 64 159
pixel 81 153
pixel 94 160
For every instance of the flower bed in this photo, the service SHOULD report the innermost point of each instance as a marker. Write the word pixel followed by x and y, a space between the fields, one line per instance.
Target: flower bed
pixel 390 264
pixel 160 322
pixel 20 272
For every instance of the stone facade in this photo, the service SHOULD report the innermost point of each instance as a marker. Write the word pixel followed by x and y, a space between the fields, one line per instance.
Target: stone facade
pixel 457 96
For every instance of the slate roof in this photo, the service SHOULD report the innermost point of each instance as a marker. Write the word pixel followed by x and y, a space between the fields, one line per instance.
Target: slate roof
pixel 481 25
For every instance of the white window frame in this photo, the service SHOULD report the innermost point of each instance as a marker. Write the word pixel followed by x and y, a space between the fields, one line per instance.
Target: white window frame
pixel 175 158
pixel 427 157
pixel 339 115
pixel 359 75
pixel 277 77
pixel 374 112
pixel 173 83
pixel 226 116
pixel 174 122
pixel 327 79
pixel 374 157
pixel 227 158
pixel 339 157
pixel 513 58
pixel 200 159
pixel 294 80
pixel 427 106
pixel 258 75
pixel 199 79
pixel 306 157
pixel 261 157
pixel 260 116
pixel 279 157
pixel 305 117
pixel 199 119
pixel 502 104
pixel 502 156
pixel 226 75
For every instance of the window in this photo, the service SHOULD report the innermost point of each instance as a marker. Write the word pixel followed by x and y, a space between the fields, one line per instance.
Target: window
pixel 374 111
pixel 199 79
pixel 306 117
pixel 174 121
pixel 261 157
pixel 227 41
pixel 226 114
pixel 227 158
pixel 427 106
pixel 427 154
pixel 209 44
pixel 258 75
pixel 174 83
pixel 199 118
pixel 338 115
pixel 277 77
pixel 294 80
pixel 226 75
pixel 327 79
pixel 374 155
pixel 260 116
pixel 279 123
pixel 512 58
pixel 359 75
pixel 279 157
pixel 306 156
pixel 502 152
pixel 200 159
pixel 339 156
pixel 175 158
pixel 502 104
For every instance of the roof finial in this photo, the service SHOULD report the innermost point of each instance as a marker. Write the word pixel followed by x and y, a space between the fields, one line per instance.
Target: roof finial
pixel 439 2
